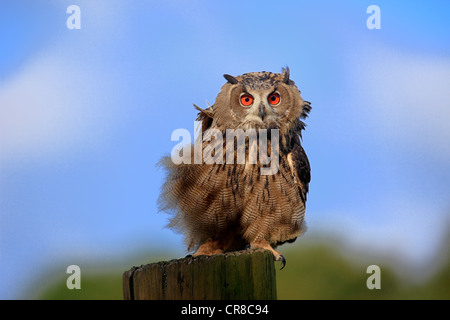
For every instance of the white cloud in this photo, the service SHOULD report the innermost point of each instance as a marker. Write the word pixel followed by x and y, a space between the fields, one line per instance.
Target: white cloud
pixel 62 99
pixel 42 108
pixel 406 97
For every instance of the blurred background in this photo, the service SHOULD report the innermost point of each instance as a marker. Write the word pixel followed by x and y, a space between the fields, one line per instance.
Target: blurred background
pixel 85 114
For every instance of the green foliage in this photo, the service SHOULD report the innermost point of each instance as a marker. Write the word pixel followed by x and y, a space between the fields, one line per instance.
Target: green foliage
pixel 318 272
pixel 93 287
pixel 313 271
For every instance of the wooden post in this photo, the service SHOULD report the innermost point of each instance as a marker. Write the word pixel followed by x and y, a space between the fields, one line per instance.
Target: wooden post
pixel 248 274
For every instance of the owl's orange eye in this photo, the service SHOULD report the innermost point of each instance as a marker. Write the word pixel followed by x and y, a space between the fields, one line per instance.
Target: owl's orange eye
pixel 274 98
pixel 246 100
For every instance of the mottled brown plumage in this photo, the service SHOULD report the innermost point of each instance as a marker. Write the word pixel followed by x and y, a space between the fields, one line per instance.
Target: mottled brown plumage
pixel 222 207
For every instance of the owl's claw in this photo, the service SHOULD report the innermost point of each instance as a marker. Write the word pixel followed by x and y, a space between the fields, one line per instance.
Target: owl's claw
pixel 280 257
pixel 277 256
pixel 283 261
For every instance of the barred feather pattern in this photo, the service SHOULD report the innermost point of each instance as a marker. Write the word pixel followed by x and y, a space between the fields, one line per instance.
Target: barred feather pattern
pixel 206 200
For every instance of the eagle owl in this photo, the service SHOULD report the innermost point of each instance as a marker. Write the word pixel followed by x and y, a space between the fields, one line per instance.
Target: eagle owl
pixel 230 205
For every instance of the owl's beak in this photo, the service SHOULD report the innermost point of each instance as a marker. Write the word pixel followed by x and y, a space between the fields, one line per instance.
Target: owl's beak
pixel 262 111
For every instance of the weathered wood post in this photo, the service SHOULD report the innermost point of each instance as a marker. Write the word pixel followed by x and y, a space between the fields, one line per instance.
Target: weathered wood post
pixel 248 274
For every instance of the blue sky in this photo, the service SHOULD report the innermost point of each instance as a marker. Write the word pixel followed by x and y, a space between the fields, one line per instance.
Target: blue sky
pixel 86 114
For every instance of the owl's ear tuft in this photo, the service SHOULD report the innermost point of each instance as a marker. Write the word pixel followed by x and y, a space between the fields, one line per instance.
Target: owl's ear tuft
pixel 286 73
pixel 230 79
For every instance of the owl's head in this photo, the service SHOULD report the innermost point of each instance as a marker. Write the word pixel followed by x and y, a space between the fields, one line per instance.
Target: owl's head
pixel 260 100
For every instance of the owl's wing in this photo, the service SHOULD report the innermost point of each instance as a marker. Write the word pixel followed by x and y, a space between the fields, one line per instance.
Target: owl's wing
pixel 300 168
pixel 205 116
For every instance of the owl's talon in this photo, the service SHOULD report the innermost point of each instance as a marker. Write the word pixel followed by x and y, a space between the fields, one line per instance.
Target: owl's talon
pixel 283 261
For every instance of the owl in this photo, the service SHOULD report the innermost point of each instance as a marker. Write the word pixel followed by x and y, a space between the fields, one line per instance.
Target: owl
pixel 228 205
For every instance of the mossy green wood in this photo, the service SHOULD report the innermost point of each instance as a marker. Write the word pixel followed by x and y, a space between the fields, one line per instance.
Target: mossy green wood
pixel 248 274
